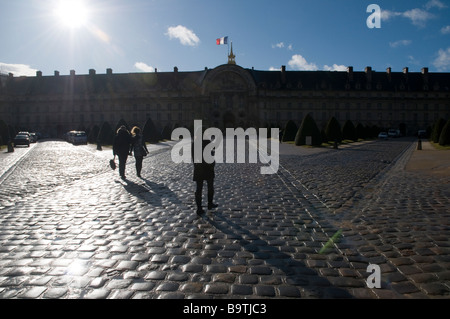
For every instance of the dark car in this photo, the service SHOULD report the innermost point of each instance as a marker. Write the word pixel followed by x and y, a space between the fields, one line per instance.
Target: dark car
pixel 22 139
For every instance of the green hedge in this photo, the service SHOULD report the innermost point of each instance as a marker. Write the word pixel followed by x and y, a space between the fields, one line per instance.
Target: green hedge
pixel 444 137
pixel 308 128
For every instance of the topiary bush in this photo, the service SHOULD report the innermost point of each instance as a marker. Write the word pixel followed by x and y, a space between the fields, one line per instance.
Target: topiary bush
pixel 106 134
pixel 290 131
pixel 124 123
pixel 444 137
pixel 308 128
pixel 150 133
pixel 349 131
pixel 333 131
pixel 166 133
pixel 4 133
pixel 360 131
pixel 437 129
pixel 93 134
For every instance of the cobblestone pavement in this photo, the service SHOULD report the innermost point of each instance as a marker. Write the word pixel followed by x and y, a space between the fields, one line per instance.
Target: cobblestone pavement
pixel 71 228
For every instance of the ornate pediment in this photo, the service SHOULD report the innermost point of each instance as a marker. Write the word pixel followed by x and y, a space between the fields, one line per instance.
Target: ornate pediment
pixel 228 78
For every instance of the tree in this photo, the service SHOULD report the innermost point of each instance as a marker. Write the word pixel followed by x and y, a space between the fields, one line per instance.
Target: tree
pixel 93 134
pixel 166 133
pixel 150 133
pixel 106 134
pixel 308 128
pixel 437 129
pixel 289 131
pixel 360 131
pixel 4 132
pixel 444 138
pixel 333 130
pixel 349 131
pixel 120 123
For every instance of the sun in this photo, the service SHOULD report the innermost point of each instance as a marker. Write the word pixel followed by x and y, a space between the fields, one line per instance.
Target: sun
pixel 72 13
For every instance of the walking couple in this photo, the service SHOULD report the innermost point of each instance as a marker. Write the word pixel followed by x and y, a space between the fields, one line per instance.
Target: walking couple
pixel 125 143
pixel 129 143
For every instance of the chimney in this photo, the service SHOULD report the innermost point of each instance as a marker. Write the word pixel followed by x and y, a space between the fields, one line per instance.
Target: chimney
pixel 56 73
pixel 91 72
pixel 368 71
pixel 38 74
pixel 389 72
pixel 175 69
pixel 405 70
pixel 350 73
pixel 156 70
pixel 283 74
pixel 72 72
pixel 425 74
pixel 109 71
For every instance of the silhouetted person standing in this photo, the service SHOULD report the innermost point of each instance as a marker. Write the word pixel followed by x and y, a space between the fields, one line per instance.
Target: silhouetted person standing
pixel 121 148
pixel 138 148
pixel 203 172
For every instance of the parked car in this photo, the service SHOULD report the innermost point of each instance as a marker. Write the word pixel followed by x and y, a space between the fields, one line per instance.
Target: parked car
pixel 394 133
pixel 422 134
pixel 33 137
pixel 76 137
pixel 22 139
pixel 383 135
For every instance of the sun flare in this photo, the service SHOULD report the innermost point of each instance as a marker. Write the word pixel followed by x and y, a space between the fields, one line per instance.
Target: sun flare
pixel 72 13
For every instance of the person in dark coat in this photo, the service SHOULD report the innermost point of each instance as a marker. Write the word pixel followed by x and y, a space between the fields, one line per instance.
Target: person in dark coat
pixel 203 172
pixel 121 148
pixel 138 148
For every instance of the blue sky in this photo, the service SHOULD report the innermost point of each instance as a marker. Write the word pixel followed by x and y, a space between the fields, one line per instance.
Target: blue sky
pixel 141 35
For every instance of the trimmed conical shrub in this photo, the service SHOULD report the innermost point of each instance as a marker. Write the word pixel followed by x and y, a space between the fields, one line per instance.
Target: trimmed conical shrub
pixel 120 123
pixel 444 138
pixel 360 131
pixel 166 133
pixel 349 131
pixel 4 132
pixel 106 134
pixel 308 128
pixel 290 131
pixel 150 133
pixel 437 129
pixel 333 131
pixel 93 134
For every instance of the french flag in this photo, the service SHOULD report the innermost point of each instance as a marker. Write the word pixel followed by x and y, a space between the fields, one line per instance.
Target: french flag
pixel 223 40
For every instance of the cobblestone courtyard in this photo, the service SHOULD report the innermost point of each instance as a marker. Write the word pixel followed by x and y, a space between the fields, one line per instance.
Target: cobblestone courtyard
pixel 71 228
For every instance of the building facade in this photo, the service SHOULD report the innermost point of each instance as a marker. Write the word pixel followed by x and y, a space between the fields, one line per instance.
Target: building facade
pixel 226 96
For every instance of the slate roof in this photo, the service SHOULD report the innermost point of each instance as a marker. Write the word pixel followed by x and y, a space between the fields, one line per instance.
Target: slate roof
pixel 134 83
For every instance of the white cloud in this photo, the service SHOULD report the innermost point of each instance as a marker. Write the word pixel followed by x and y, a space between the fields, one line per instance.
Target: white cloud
pixel 387 14
pixel 417 16
pixel 282 45
pixel 17 69
pixel 442 62
pixel 272 68
pixel 186 36
pixel 298 62
pixel 335 67
pixel 278 45
pixel 445 30
pixel 399 43
pixel 141 66
pixel 435 4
